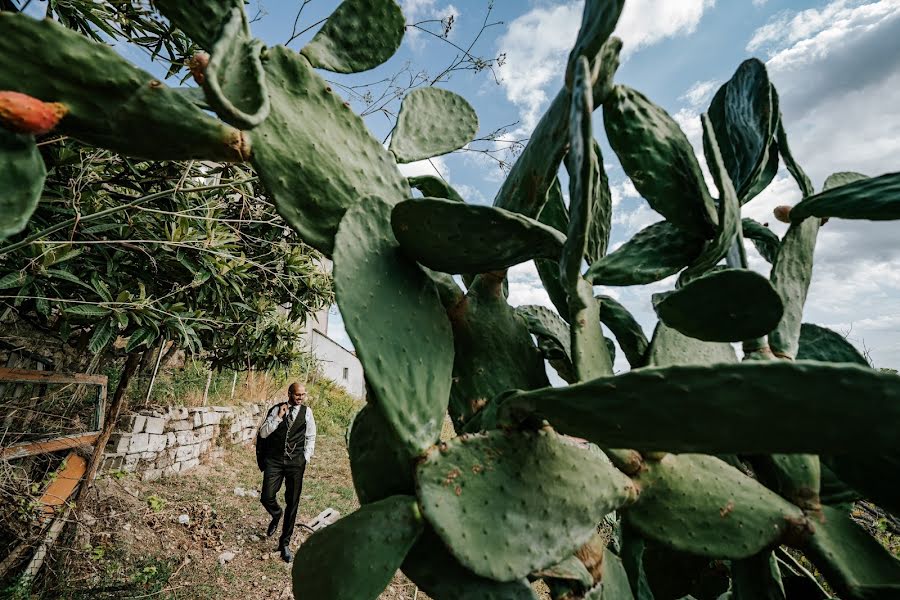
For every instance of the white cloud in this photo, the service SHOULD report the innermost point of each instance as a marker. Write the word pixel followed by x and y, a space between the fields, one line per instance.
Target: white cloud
pixel 416 11
pixel 525 286
pixel 699 94
pixel 646 22
pixel 436 166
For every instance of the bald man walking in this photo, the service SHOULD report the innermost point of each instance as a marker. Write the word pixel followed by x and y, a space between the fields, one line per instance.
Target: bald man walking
pixel 289 432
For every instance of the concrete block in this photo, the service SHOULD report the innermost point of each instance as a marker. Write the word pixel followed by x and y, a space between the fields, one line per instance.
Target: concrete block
pixel 189 464
pixel 180 425
pixel 178 414
pixel 112 462
pixel 185 438
pixel 172 469
pixel 171 439
pixel 222 409
pixel 138 424
pixel 155 425
pixel 151 474
pixel 139 443
pixel 187 452
pixel 212 418
pixel 198 419
pixel 131 462
pixel 156 442
pixel 118 443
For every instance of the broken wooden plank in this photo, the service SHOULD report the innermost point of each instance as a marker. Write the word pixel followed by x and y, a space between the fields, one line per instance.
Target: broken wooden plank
pixel 63 485
pixel 45 445
pixel 29 376
pixel 52 533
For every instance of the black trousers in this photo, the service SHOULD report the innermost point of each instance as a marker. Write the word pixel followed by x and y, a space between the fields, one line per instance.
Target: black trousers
pixel 277 472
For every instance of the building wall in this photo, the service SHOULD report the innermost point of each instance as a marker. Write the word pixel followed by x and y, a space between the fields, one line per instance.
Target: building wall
pixel 339 364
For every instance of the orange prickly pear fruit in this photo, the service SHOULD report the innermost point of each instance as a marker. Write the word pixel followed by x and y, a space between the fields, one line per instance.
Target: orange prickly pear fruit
pixel 197 65
pixel 21 113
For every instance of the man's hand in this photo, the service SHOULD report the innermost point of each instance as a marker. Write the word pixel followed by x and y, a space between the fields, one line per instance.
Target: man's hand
pixel 282 411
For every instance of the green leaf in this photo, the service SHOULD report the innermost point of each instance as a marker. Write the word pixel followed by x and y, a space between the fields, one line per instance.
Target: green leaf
pixel 104 333
pixel 411 336
pixel 358 36
pixel 432 122
pixel 654 253
pixel 452 237
pixel 141 336
pixel 22 175
pixel 874 199
pixel 473 493
pixel 67 276
pixel 698 504
pixel 728 305
pixel 12 280
pixel 87 310
pixel 355 558
pixel 728 409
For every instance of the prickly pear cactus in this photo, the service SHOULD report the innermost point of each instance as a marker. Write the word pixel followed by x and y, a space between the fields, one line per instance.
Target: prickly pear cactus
pixel 693 456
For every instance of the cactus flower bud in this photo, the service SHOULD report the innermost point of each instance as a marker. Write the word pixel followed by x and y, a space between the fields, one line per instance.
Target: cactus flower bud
pixel 197 64
pixel 783 213
pixel 21 113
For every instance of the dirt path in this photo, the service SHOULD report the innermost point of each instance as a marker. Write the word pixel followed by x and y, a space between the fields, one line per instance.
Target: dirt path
pixel 135 546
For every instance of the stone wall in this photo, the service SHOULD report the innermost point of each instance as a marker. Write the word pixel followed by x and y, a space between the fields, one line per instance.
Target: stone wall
pixel 155 444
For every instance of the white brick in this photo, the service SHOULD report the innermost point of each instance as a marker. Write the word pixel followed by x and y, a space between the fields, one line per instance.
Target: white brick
pixel 151 474
pixel 178 414
pixel 172 469
pixel 138 425
pixel 212 418
pixel 185 438
pixel 198 419
pixel 222 409
pixel 187 452
pixel 155 443
pixel 171 439
pixel 119 443
pixel 139 443
pixel 155 425
pixel 180 425
pixel 130 463
pixel 189 464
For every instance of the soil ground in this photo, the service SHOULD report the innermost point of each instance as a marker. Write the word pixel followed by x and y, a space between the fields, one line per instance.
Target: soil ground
pixel 133 546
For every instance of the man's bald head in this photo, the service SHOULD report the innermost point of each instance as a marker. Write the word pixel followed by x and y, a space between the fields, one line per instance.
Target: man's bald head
pixel 296 393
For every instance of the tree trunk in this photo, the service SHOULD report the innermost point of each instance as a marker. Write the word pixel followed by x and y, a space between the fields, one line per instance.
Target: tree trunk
pixel 112 417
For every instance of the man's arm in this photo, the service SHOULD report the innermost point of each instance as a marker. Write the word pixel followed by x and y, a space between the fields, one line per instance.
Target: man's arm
pixel 273 420
pixel 310 435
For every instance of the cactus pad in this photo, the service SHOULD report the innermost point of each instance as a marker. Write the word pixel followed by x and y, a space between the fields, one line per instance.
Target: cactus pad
pixel 654 253
pixel 111 104
pixel 659 159
pixel 452 237
pixel 791 275
pixel 656 408
pixel 434 187
pixel 488 498
pixel 379 464
pixel 371 277
pixel 669 348
pixel 763 238
pixel 355 558
pixel 553 338
pixel 358 36
pixel 875 199
pixel 200 20
pixel 556 215
pixel 728 305
pixel 297 163
pixel 22 175
pixel 698 504
pixel 234 80
pixel 597 24
pixel 628 332
pixel 438 574
pixel 821 343
pixel 842 178
pixel 432 122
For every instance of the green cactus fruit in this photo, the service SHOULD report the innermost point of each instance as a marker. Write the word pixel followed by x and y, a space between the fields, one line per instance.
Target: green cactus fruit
pixel 553 338
pixel 654 253
pixel 22 175
pixel 597 24
pixel 698 504
pixel 627 330
pixel 791 275
pixel 659 159
pixel 796 477
pixel 355 558
pixel 411 383
pixel 757 578
pixel 200 20
pixel 874 476
pixel 438 574
pixel 571 570
pixel 729 228
pixel 764 239
pixel 669 348
pixel 853 562
pixel 656 409
pixel 452 237
pixel 842 178
pixel 590 355
pixel 298 163
pixel 742 115
pixel 493 351
pixel 358 36
pixel 434 187
pixel 432 122
pixel 728 305
pixel 821 343
pixel 581 164
pixel 874 199
pixel 510 503
pixel 111 104
pixel 234 80
pixel 556 215
pixel 378 462
pixel 793 167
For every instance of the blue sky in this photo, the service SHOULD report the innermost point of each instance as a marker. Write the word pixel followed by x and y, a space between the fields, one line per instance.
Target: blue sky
pixel 836 65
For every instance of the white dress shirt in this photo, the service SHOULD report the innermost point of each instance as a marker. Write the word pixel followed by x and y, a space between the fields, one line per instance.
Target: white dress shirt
pixel 273 421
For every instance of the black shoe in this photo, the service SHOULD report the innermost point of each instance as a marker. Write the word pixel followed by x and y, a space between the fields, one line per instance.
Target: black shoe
pixel 286 554
pixel 273 526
